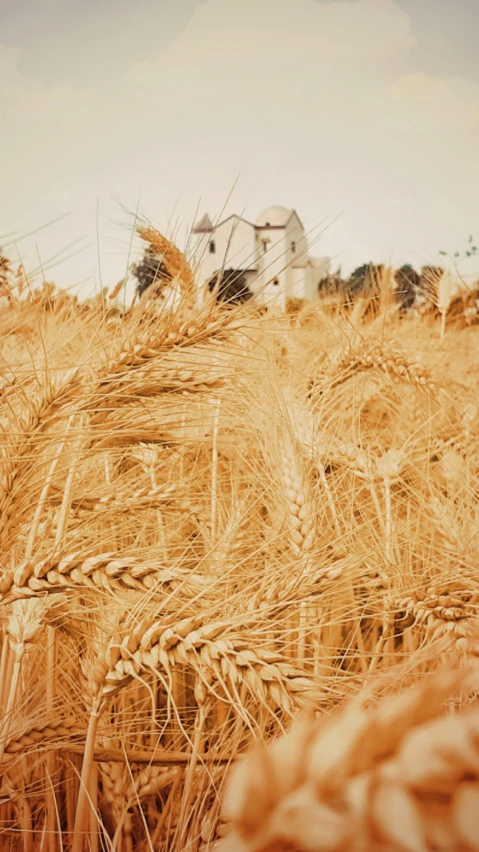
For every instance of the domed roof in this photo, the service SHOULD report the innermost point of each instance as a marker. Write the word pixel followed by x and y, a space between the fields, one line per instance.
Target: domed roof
pixel 277 216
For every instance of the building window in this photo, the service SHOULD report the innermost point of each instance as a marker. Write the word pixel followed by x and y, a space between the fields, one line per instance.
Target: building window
pixel 276 282
pixel 212 247
pixel 293 247
pixel 265 246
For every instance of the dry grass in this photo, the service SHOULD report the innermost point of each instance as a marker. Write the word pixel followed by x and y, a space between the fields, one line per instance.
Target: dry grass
pixel 211 522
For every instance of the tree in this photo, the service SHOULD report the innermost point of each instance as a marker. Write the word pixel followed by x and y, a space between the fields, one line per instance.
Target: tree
pixel 231 286
pixel 407 286
pixel 332 284
pixel 363 281
pixel 150 270
pixel 5 273
pixel 5 267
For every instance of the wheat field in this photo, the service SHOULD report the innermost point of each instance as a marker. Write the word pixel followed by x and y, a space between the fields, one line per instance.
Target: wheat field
pixel 216 523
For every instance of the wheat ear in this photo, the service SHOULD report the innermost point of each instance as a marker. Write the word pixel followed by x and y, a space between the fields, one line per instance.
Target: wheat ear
pixel 393 777
pixel 173 259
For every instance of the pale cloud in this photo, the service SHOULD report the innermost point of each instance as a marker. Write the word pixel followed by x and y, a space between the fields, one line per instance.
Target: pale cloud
pixel 436 104
pixel 281 38
pixel 291 65
pixel 312 103
pixel 26 101
pixel 89 41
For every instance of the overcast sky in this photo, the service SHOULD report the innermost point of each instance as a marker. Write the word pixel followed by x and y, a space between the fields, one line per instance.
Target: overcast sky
pixel 360 114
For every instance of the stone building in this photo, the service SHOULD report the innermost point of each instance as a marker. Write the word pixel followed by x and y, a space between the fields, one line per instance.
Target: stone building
pixel 272 255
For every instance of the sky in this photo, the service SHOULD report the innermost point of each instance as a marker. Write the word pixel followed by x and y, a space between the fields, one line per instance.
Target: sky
pixel 363 115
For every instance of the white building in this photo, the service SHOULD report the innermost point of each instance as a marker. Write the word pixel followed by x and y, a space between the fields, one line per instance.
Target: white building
pixel 272 254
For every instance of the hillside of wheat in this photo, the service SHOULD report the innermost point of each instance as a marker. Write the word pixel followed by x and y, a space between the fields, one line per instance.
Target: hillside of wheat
pixel 215 522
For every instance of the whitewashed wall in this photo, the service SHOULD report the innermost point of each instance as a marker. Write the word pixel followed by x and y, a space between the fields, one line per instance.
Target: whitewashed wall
pixel 239 245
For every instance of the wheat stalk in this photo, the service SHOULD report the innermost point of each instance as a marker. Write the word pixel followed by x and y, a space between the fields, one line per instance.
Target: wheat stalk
pixel 443 291
pixel 44 411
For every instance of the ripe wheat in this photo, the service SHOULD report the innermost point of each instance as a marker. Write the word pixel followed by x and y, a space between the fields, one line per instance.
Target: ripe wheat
pixel 218 520
pixel 398 776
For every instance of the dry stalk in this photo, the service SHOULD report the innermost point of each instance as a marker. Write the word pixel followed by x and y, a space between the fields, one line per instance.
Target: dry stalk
pixel 44 409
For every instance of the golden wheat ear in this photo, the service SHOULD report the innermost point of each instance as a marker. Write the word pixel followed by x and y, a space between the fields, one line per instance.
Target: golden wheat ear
pixel 365 778
pixel 174 260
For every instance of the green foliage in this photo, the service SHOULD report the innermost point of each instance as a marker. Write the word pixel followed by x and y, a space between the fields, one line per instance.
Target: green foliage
pixel 470 251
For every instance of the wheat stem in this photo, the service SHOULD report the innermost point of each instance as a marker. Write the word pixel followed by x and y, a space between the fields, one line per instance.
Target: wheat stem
pixel 46 488
pixel 85 784
pixel 324 482
pixel 201 715
pixel 93 796
pixel 8 716
pixel 443 324
pixel 4 663
pixel 214 471
pixel 388 524
pixel 25 822
pixel 51 808
pixel 66 500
